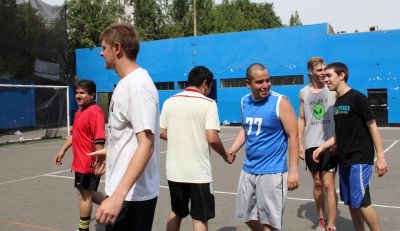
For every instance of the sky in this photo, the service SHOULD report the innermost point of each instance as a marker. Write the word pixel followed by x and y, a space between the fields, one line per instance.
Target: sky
pixel 343 15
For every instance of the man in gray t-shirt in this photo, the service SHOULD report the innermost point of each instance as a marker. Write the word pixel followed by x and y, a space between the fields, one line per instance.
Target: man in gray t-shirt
pixel 316 125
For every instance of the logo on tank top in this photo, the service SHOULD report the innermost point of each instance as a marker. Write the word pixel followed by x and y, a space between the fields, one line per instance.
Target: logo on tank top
pixel 318 111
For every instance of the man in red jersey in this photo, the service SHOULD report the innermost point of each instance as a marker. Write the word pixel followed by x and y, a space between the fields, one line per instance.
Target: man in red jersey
pixel 87 136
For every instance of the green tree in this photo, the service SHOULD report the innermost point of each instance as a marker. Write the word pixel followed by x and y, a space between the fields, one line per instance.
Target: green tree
pixel 179 15
pixel 239 15
pixel 86 19
pixel 295 19
pixel 22 36
pixel 150 18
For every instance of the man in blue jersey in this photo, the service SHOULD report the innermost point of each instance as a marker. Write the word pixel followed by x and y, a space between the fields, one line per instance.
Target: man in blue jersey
pixel 268 122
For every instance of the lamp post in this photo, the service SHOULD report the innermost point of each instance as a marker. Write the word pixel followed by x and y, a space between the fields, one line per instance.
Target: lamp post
pixel 194 19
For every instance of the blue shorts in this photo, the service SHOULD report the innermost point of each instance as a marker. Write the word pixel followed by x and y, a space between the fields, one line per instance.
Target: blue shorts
pixel 354 185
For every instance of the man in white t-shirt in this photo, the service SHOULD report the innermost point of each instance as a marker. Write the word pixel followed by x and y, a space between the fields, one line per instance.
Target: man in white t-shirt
pixel 132 166
pixel 189 122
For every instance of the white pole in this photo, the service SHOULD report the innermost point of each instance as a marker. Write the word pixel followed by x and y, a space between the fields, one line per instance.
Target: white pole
pixel 33 86
pixel 68 118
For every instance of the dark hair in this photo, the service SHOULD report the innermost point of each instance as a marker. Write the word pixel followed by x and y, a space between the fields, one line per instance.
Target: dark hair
pixel 124 34
pixel 89 86
pixel 251 68
pixel 339 68
pixel 198 74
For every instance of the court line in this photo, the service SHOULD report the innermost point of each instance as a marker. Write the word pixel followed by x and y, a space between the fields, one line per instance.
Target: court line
pixel 234 194
pixel 299 199
pixel 26 225
pixel 388 148
pixel 32 177
pixel 166 187
pixel 391 146
pixel 232 138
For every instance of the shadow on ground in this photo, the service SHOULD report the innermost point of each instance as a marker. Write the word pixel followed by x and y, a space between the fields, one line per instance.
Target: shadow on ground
pixel 307 211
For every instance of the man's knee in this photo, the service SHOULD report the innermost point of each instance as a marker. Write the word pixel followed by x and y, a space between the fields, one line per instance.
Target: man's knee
pixel 329 187
pixel 199 225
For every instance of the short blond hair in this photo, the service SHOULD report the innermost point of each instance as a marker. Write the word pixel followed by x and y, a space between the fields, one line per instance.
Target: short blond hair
pixel 124 34
pixel 314 61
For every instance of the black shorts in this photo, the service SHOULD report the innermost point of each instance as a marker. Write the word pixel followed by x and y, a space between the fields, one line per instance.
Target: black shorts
pixel 327 161
pixel 87 181
pixel 135 216
pixel 202 205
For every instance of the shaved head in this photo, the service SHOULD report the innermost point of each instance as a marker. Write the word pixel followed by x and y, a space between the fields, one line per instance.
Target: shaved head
pixel 252 68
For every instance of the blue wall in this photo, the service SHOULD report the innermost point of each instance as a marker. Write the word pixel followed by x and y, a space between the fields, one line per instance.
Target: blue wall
pixel 17 105
pixel 371 58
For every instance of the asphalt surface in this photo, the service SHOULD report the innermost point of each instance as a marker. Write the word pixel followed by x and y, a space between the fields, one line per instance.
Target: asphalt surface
pixel 37 195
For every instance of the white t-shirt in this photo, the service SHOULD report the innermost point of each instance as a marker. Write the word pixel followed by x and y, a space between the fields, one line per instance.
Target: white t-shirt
pixel 133 108
pixel 187 116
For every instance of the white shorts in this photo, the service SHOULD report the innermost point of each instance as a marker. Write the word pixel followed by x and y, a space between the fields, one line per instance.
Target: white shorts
pixel 261 197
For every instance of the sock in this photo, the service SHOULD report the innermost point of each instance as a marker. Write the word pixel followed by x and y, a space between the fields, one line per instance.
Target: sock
pixel 84 224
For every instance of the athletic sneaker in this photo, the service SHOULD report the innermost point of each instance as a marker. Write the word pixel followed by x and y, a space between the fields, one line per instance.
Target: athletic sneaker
pixel 321 225
pixel 331 229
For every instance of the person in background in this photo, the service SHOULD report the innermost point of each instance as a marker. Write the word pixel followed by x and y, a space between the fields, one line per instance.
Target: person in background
pixel 88 135
pixel 132 168
pixel 357 138
pixel 190 124
pixel 268 122
pixel 316 125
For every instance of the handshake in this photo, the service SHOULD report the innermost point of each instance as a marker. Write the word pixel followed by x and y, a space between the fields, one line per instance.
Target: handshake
pixel 230 156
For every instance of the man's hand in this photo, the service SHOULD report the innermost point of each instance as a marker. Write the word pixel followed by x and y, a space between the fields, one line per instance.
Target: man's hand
pixel 302 152
pixel 317 153
pixel 100 164
pixel 381 166
pixel 58 158
pixel 293 180
pixel 109 209
pixel 230 156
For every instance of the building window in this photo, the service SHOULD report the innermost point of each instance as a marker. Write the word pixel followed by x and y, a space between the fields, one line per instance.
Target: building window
pixel 165 85
pixel 287 80
pixel 275 80
pixel 236 82
pixel 182 84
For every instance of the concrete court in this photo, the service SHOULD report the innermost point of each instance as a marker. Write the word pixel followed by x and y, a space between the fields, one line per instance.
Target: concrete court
pixel 37 195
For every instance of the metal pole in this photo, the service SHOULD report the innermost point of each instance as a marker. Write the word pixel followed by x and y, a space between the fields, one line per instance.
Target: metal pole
pixel 194 19
pixel 68 118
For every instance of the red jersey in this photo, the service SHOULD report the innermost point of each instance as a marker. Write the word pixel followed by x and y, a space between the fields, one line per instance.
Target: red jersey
pixel 87 131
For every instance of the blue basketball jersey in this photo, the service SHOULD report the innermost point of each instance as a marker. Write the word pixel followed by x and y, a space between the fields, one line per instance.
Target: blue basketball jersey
pixel 266 140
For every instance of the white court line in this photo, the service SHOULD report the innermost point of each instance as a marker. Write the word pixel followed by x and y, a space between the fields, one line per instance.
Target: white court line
pixel 233 193
pixel 296 198
pixel 32 177
pixel 232 138
pixel 23 146
pixel 388 148
pixel 391 146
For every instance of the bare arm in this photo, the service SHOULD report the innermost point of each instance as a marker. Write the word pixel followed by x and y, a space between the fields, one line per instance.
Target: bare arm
pixel 301 123
pixel 321 149
pixel 100 165
pixel 381 165
pixel 239 141
pixel 217 145
pixel 288 119
pixel 110 208
pixel 163 134
pixel 61 153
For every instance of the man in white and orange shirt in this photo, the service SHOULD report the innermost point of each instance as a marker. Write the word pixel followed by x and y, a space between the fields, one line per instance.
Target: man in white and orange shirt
pixel 189 122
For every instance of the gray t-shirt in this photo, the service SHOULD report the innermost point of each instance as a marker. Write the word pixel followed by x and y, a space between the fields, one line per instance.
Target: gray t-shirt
pixel 318 115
